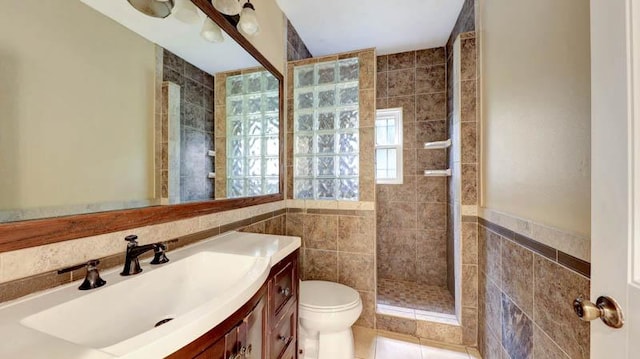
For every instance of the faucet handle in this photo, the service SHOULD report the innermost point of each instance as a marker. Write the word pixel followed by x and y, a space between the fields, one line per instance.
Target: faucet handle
pixel 159 256
pixel 92 279
pixel 132 239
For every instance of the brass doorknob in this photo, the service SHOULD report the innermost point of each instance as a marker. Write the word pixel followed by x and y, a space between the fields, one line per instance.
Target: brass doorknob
pixel 606 308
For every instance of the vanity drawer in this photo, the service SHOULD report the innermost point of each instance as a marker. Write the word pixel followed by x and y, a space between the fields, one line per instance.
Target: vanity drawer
pixel 284 287
pixel 283 335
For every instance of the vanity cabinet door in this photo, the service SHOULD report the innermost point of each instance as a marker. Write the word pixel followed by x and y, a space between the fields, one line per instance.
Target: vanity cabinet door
pixel 252 331
pixel 216 351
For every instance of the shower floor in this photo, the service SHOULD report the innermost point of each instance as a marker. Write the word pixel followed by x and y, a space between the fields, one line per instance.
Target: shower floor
pixel 396 295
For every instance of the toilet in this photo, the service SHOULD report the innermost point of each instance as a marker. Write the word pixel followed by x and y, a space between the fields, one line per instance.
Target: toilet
pixel 326 313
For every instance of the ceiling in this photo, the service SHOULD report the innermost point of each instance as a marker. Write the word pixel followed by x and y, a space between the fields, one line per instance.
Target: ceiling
pixel 334 26
pixel 182 39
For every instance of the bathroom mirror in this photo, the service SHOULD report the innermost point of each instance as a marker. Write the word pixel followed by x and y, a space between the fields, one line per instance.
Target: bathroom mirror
pixel 105 109
pixel 87 117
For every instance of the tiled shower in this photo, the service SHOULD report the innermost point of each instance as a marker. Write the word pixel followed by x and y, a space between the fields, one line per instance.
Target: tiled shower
pixel 412 216
pixel 196 126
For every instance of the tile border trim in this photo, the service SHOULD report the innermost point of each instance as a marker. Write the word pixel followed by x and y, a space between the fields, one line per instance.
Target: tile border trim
pixel 577 265
pixel 574 244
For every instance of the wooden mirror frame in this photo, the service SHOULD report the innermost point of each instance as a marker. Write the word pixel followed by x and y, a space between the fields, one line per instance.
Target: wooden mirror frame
pixel 32 233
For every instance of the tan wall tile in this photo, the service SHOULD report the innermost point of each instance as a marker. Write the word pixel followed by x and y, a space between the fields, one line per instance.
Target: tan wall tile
pixel 468 59
pixel 433 216
pixel 367 62
pixel 367 108
pixel 401 83
pixel 320 265
pixel 321 232
pixel 295 224
pixel 469 326
pixel 381 85
pixel 445 333
pixel 397 215
pixel 469 184
pixel 468 139
pixel 367 317
pixel 555 286
pixel 403 60
pixel 469 235
pixel 431 107
pixel 430 79
pixel 470 286
pixel 382 63
pixel 356 234
pixel 396 324
pixel 544 347
pixel 396 250
pixel 468 100
pixel 517 275
pixel 408 104
pixel 404 192
pixel 430 57
pixel 356 270
pixel 430 131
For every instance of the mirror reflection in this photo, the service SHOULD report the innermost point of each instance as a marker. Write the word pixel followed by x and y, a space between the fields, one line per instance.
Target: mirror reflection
pixel 105 108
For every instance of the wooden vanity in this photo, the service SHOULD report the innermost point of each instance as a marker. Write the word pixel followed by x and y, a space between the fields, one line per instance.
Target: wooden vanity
pixel 263 328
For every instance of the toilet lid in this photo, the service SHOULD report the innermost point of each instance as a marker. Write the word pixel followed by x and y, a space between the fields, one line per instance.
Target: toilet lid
pixel 319 294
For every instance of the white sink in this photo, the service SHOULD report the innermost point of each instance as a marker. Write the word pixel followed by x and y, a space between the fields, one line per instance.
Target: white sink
pixel 119 318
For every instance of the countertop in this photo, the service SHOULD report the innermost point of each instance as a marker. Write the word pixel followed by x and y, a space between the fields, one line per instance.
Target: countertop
pixel 20 341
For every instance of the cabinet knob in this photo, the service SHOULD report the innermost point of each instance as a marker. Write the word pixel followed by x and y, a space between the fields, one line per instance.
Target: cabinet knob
pixel 284 339
pixel 284 291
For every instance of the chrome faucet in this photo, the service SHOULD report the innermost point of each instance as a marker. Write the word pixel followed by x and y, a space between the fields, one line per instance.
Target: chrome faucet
pixel 131 261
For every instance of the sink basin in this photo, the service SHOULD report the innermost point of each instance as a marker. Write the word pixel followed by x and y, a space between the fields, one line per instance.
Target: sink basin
pixel 120 318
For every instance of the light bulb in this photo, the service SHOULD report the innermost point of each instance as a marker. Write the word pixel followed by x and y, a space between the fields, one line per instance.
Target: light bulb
pixel 227 7
pixel 211 31
pixel 186 12
pixel 248 20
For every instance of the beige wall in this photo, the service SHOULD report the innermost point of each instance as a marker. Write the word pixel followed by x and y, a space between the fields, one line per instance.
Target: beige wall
pixel 67 70
pixel 271 39
pixel 536 110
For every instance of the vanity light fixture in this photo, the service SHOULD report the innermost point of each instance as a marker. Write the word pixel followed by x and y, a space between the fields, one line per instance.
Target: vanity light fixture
pixel 228 7
pixel 248 20
pixel 211 31
pixel 186 12
pixel 153 8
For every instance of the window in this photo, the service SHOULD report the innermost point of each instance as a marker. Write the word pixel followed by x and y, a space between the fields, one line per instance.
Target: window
pixel 326 130
pixel 389 146
pixel 252 134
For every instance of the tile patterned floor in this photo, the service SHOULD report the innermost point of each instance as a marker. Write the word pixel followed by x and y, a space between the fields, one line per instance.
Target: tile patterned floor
pixel 411 295
pixel 371 344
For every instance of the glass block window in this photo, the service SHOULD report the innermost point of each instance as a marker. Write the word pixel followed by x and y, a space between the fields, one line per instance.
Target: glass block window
pixel 326 125
pixel 389 146
pixel 252 134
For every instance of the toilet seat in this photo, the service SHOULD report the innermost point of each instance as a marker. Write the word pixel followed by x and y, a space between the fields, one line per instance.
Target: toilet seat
pixel 321 296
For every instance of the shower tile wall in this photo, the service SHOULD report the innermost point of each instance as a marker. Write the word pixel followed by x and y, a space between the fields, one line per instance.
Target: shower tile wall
pixel 196 126
pixel 465 23
pixel 525 298
pixel 296 48
pixel 412 217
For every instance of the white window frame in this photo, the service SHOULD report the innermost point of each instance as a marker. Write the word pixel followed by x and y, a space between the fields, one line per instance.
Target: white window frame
pixel 396 114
